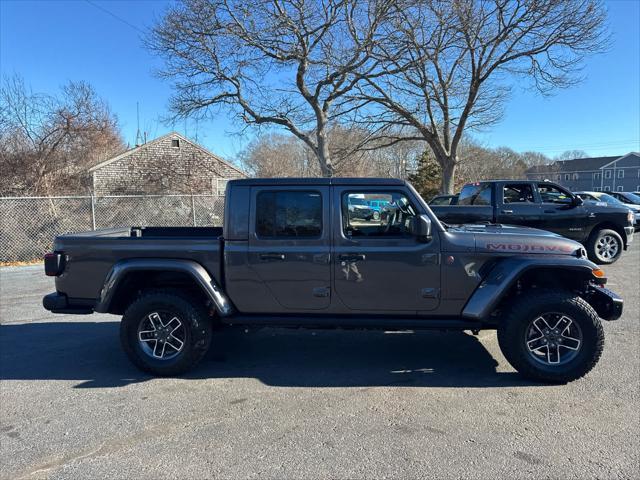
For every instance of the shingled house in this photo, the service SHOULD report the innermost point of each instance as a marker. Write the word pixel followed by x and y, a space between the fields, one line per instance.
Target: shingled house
pixel 600 174
pixel 170 164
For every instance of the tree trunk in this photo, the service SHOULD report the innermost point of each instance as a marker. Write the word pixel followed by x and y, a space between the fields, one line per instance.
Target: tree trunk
pixel 324 156
pixel 448 165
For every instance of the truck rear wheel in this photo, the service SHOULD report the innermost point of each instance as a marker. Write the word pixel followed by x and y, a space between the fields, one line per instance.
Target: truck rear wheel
pixel 551 337
pixel 604 246
pixel 165 332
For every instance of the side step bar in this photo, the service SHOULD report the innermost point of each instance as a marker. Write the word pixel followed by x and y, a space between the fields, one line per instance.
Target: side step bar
pixel 384 323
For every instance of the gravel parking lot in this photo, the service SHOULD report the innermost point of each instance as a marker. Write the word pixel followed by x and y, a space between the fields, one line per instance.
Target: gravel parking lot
pixel 307 404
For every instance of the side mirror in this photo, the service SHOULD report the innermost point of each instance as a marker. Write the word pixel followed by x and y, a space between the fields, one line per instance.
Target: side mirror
pixel 420 226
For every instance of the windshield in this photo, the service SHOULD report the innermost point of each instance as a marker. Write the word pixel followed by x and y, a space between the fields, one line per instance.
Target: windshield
pixel 632 197
pixel 605 197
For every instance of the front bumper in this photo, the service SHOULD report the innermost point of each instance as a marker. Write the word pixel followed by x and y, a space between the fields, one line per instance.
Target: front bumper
pixel 629 231
pixel 606 303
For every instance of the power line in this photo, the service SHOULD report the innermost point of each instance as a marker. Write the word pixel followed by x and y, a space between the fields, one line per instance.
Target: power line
pixel 117 17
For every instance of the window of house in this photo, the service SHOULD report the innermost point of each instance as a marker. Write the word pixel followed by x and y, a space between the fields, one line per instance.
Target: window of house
pixel 376 214
pixel 475 194
pixel 558 177
pixel 566 176
pixel 620 189
pixel 175 143
pixel 620 173
pixel 598 189
pixel 288 214
pixel 575 176
pixel 607 174
pixel 517 193
pixel 596 176
pixel 553 194
pixel 221 185
pixel 607 188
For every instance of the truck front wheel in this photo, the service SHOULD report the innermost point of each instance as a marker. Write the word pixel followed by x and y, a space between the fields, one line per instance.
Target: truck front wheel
pixel 604 246
pixel 165 333
pixel 551 337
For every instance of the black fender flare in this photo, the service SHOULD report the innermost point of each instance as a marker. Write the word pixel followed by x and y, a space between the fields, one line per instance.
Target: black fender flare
pixel 193 269
pixel 506 273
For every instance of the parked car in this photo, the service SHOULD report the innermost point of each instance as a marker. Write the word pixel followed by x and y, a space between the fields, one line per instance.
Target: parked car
pixel 628 198
pixel 610 200
pixel 444 200
pixel 604 231
pixel 286 257
pixel 359 209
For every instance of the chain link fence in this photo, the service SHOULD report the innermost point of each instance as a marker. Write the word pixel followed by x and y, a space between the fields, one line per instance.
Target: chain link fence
pixel 29 224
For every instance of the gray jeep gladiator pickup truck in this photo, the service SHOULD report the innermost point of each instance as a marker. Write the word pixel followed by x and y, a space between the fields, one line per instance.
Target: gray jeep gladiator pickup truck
pixel 291 255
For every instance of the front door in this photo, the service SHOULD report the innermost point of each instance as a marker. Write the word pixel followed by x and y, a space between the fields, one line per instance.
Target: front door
pixel 379 267
pixel 289 248
pixel 560 214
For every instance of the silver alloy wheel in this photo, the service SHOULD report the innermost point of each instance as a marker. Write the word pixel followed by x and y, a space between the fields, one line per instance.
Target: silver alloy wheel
pixel 553 339
pixel 607 247
pixel 161 335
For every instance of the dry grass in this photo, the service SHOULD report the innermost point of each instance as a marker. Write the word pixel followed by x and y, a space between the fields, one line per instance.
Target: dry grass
pixel 21 264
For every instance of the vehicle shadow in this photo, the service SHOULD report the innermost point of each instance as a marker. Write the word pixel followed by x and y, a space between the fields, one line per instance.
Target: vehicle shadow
pixel 90 352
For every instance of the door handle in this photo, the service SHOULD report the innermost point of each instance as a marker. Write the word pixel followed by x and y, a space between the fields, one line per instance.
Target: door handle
pixel 351 257
pixel 507 211
pixel 272 256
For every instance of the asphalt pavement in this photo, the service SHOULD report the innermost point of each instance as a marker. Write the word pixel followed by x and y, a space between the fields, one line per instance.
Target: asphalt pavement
pixel 307 404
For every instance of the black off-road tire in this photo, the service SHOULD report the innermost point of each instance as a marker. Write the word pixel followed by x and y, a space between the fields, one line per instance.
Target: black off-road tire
pixel 601 235
pixel 529 306
pixel 197 331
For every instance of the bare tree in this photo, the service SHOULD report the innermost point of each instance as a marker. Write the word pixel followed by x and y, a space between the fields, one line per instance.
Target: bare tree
pixel 48 142
pixel 571 155
pixel 283 63
pixel 449 64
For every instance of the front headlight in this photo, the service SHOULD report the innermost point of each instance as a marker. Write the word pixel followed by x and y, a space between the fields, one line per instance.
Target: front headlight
pixel 630 216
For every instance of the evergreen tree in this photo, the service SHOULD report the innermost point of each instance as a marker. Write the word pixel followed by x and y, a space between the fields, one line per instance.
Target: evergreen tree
pixel 428 176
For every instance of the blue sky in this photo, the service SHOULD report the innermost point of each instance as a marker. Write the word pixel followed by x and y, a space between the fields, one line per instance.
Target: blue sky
pixel 51 42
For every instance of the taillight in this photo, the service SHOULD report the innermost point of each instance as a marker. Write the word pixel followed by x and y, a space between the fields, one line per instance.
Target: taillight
pixel 53 264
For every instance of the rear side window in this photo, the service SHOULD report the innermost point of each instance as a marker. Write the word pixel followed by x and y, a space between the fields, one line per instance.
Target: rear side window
pixel 288 214
pixel 475 194
pixel 518 193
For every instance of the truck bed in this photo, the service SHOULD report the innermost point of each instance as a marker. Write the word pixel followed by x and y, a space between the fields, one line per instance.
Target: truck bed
pixel 91 255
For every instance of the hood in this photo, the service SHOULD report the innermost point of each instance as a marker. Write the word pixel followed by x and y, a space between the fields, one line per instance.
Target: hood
pixel 520 240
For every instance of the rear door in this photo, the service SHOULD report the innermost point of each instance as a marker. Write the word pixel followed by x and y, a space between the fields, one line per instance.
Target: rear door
pixel 289 247
pixel 378 266
pixel 517 204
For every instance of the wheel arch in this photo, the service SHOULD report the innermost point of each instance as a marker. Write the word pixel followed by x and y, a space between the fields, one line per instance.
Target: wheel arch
pixel 128 277
pixel 510 274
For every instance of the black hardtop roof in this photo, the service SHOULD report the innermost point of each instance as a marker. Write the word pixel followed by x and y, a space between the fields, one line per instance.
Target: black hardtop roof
pixel 318 181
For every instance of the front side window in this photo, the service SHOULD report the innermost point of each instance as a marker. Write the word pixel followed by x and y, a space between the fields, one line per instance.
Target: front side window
pixel 475 194
pixel 517 193
pixel 288 214
pixel 553 194
pixel 376 214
